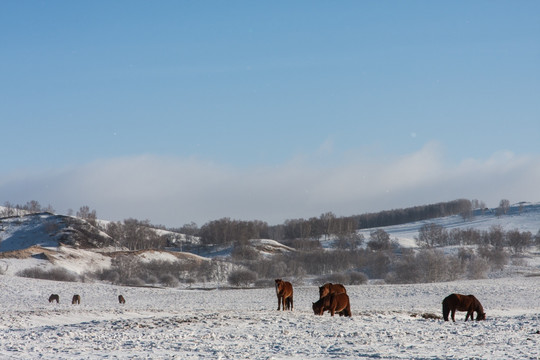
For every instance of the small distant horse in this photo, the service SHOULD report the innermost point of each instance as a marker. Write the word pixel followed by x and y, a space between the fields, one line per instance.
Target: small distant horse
pixel 330 288
pixel 76 299
pixel 459 302
pixel 121 299
pixel 284 292
pixel 54 297
pixel 333 303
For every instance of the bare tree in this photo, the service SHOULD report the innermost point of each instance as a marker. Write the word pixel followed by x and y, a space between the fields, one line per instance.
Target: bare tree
pixel 433 265
pixel 495 236
pixel 518 241
pixel 227 231
pixel 504 206
pixel 431 235
pixel 496 256
pixel 478 204
pixel 9 209
pixel 33 206
pixel 86 214
pixel 189 230
pixel 380 240
pixel 327 220
pixel 138 235
pixel 477 268
pixel 242 277
pixel 350 242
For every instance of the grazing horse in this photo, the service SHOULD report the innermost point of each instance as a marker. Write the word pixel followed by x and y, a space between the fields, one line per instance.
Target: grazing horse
pixel 333 303
pixel 54 297
pixel 76 299
pixel 284 292
pixel 459 302
pixel 121 299
pixel 330 288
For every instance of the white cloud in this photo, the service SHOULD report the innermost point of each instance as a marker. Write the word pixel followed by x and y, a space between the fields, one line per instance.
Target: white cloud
pixel 174 191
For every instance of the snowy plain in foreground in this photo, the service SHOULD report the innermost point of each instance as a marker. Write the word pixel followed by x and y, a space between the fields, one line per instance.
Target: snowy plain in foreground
pixel 244 324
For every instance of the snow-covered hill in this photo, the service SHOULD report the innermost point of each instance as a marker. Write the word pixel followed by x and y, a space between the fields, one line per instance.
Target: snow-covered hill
pixel 522 216
pixel 49 230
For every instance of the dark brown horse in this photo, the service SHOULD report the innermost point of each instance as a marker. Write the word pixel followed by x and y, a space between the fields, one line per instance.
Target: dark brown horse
pixel 54 297
pixel 284 292
pixel 333 303
pixel 459 302
pixel 76 299
pixel 121 299
pixel 330 288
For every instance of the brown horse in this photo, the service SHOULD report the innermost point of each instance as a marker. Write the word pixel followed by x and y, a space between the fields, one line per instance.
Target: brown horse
pixel 284 292
pixel 121 299
pixel 459 302
pixel 76 299
pixel 330 288
pixel 333 303
pixel 54 297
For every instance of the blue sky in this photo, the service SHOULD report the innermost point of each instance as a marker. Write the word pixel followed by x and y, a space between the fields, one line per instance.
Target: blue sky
pixel 181 111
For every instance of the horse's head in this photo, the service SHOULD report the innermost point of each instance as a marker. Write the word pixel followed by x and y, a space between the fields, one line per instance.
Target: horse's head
pixel 317 308
pixel 279 285
pixel 481 316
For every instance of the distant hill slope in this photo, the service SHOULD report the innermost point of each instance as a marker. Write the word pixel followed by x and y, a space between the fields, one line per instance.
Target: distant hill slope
pixel 522 216
pixel 49 230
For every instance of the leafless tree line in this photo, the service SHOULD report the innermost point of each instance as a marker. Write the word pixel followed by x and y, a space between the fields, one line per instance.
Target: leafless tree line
pixel 136 235
pixel 434 235
pixel 31 207
pixel 130 270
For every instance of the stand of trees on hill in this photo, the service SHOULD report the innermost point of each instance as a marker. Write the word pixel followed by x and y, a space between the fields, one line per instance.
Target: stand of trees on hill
pixel 228 231
pixel 433 235
pixel 478 252
pixel 31 207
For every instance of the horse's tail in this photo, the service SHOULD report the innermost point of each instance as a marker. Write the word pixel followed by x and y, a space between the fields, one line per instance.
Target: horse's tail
pixel 445 309
pixel 348 311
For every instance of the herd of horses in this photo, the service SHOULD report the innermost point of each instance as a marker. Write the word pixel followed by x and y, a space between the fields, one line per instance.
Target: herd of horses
pixel 76 300
pixel 334 299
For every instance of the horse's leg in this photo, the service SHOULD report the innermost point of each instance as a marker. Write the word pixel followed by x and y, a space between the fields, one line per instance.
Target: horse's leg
pixel 291 302
pixel 453 315
pixel 349 312
pixel 283 303
pixel 278 302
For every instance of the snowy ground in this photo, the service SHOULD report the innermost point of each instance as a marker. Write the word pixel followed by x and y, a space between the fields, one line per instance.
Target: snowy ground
pixel 244 324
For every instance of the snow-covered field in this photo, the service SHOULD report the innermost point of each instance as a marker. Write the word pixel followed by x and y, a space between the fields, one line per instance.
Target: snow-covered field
pixel 244 324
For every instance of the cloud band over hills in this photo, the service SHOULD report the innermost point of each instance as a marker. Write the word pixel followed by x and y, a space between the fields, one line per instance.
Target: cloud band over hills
pixel 175 191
